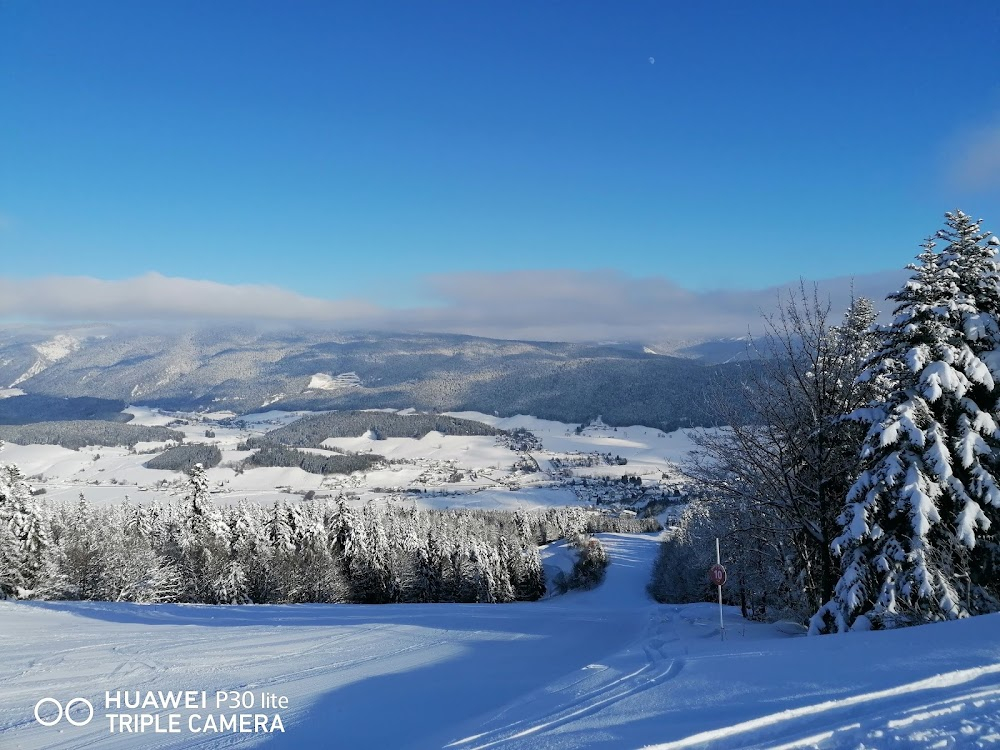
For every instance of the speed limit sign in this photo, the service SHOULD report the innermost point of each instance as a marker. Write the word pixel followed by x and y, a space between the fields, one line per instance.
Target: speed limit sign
pixel 717 575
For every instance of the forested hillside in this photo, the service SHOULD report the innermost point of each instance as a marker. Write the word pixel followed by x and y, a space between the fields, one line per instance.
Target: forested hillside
pixel 31 408
pixel 75 434
pixel 186 457
pixel 311 431
pixel 243 370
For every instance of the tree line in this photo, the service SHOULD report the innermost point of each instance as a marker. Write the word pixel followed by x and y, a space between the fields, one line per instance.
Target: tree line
pixel 314 551
pixel 314 463
pixel 77 433
pixel 185 457
pixel 29 408
pixel 310 431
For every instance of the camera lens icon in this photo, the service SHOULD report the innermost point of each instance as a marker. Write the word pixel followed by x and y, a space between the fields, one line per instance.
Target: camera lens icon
pixel 46 718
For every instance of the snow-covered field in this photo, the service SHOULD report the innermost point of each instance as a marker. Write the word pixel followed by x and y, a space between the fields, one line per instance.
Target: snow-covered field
pixel 450 471
pixel 607 668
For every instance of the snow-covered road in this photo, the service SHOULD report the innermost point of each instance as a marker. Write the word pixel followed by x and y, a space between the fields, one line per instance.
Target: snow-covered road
pixel 606 668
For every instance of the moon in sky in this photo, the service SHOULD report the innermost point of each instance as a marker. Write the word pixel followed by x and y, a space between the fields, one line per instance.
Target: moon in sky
pixel 652 60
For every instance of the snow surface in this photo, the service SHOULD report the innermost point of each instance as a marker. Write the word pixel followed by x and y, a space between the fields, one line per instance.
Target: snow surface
pixel 488 480
pixel 607 668
pixel 323 382
pixel 56 348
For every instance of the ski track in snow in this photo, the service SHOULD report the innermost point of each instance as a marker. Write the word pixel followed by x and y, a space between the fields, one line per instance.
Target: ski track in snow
pixel 606 668
pixel 941 724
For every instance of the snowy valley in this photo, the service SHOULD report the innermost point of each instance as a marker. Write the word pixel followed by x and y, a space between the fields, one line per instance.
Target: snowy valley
pixel 567 467
pixel 499 376
pixel 602 668
pixel 199 577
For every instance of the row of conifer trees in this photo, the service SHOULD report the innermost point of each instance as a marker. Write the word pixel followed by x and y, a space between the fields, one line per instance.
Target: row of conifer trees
pixel 314 551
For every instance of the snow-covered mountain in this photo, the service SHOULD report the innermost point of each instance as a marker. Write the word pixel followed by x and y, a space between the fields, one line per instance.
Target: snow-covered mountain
pixel 242 369
pixel 58 347
pixel 706 351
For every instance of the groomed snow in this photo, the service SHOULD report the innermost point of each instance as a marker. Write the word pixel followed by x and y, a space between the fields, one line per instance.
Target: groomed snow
pixel 607 668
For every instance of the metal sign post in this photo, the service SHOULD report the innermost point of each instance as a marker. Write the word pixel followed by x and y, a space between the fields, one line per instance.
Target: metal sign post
pixel 717 575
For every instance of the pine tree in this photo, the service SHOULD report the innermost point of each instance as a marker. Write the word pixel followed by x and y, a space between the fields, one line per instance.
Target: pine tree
pixel 504 562
pixel 80 553
pixel 347 542
pixel 483 578
pixel 319 576
pixel 131 570
pixel 427 578
pixel 531 580
pixel 203 544
pixel 376 579
pixel 780 470
pixel 25 565
pixel 922 515
pixel 456 587
pixel 528 577
pixel 251 551
pixel 281 538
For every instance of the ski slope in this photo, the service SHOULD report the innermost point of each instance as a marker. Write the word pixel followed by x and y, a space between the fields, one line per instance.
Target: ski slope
pixel 607 668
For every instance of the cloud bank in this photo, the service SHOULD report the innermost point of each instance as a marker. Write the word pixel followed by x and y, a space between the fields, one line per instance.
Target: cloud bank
pixel 555 305
pixel 157 297
pixel 608 305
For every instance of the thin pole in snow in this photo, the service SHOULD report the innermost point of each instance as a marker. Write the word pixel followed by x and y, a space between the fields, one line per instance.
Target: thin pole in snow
pixel 718 561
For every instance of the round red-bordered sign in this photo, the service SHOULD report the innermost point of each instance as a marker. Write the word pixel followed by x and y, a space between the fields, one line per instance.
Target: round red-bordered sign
pixel 717 575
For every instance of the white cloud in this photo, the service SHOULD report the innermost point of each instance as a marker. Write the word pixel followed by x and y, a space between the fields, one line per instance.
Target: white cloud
pixel 157 297
pixel 539 305
pixel 608 305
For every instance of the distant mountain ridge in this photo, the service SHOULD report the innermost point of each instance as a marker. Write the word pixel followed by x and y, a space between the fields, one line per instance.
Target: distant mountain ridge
pixel 710 351
pixel 243 370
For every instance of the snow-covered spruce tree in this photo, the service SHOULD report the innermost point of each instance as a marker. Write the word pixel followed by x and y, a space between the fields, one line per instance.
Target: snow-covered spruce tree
pixel 205 560
pixel 373 580
pixel 130 569
pixel 426 579
pixel 319 576
pixel 80 550
pixel 918 537
pixel 527 576
pixel 456 588
pixel 591 565
pixel 346 532
pixel 282 534
pixel 779 471
pixel 683 557
pixel 251 552
pixel 26 568
pixel 483 579
pixel 505 571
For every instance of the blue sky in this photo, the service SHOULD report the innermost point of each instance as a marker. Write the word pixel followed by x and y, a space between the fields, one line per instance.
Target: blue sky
pixel 354 150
